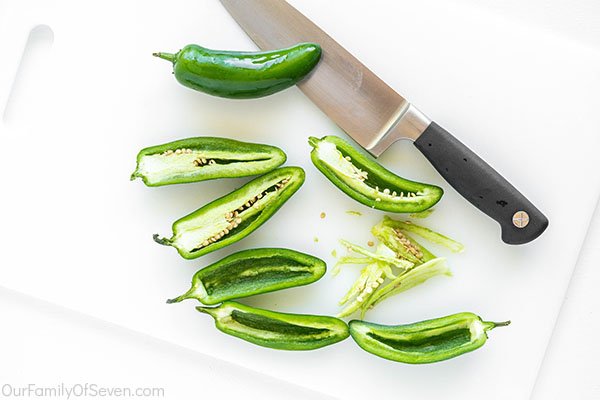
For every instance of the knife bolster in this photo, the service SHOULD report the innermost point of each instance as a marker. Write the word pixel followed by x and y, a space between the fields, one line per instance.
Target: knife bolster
pixel 407 123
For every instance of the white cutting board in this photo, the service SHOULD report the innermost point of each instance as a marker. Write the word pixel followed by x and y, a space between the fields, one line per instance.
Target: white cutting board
pixel 77 232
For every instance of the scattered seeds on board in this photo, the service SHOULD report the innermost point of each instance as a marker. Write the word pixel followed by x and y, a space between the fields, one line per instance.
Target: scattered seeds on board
pixel 355 213
pixel 322 215
pixel 316 239
pixel 370 243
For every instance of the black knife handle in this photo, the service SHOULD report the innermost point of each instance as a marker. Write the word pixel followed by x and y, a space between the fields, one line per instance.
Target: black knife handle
pixel 479 183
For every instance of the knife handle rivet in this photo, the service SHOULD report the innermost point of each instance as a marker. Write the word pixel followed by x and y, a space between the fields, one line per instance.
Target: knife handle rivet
pixel 520 219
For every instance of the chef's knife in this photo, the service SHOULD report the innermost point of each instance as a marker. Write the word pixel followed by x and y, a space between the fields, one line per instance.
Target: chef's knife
pixel 375 116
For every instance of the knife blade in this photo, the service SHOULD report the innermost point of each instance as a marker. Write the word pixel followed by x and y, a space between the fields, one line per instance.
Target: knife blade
pixel 375 115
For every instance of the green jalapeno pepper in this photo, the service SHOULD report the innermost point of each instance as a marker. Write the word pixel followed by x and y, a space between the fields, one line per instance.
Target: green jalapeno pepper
pixel 250 272
pixel 426 341
pixel 234 216
pixel 203 158
pixel 242 75
pixel 361 177
pixel 277 330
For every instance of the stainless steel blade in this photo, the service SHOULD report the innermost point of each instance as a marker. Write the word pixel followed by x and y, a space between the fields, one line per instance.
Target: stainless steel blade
pixel 364 106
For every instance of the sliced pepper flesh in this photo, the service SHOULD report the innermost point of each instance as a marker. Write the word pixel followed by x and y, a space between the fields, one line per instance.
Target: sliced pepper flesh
pixel 399 263
pixel 390 230
pixel 426 341
pixel 234 216
pixel 251 272
pixel 203 158
pixel 417 275
pixel 365 180
pixel 277 330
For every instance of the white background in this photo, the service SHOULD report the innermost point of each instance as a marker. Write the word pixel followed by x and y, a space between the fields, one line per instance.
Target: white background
pixel 45 344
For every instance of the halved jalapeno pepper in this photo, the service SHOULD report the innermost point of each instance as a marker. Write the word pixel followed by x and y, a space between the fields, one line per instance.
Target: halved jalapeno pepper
pixel 426 341
pixel 277 330
pixel 234 216
pixel 203 158
pixel 250 272
pixel 365 180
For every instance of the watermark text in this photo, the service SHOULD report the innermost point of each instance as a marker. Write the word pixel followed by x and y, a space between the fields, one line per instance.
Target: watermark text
pixel 78 390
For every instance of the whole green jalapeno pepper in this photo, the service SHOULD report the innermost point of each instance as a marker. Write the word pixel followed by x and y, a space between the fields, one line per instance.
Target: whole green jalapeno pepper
pixel 250 272
pixel 242 75
pixel 234 216
pixel 277 330
pixel 203 158
pixel 426 341
pixel 365 180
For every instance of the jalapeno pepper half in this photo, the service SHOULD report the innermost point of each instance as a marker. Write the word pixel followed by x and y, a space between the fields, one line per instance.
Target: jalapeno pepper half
pixel 203 158
pixel 426 341
pixel 250 272
pixel 235 215
pixel 277 330
pixel 242 75
pixel 361 177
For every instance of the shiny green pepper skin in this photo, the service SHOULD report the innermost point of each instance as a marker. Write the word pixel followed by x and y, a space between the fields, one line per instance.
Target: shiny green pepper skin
pixel 203 158
pixel 242 75
pixel 361 177
pixel 250 272
pixel 234 216
pixel 426 341
pixel 277 330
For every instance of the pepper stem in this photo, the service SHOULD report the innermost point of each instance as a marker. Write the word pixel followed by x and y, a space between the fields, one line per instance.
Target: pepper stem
pixel 187 295
pixel 212 311
pixel 491 325
pixel 313 141
pixel 176 299
pixel 165 56
pixel 159 240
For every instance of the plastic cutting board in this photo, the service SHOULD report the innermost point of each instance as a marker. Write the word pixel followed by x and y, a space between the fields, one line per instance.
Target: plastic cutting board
pixel 75 231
